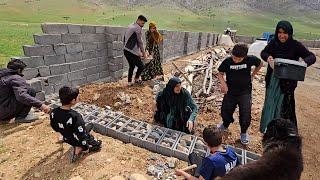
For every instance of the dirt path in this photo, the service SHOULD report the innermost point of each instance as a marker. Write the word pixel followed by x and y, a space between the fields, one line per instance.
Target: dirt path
pixel 308 114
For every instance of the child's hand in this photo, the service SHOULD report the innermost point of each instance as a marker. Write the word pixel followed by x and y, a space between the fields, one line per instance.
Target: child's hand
pixel 224 88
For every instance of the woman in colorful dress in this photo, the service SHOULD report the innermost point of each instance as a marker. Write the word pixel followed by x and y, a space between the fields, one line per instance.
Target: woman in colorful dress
pixel 154 67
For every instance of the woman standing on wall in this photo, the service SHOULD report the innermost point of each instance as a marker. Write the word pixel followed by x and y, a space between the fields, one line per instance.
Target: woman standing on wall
pixel 279 99
pixel 154 67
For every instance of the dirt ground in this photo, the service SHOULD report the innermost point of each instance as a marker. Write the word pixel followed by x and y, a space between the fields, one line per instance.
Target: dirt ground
pixel 29 151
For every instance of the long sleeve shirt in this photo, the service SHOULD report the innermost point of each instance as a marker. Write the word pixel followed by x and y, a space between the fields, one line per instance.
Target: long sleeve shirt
pixel 133 40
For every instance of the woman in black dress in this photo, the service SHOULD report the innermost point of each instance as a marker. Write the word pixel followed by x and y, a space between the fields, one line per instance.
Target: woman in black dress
pixel 279 100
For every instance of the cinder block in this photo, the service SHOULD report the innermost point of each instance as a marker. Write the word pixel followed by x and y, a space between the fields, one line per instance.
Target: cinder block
pixel 115 53
pixel 92 62
pixel 58 79
pixel 79 82
pixel 38 50
pixel 78 65
pixel 31 62
pixel 71 38
pixel 47 39
pixel 115 30
pixel 89 46
pixel 93 78
pixel 101 45
pixel 75 57
pixel 102 53
pixel 116 60
pixel 48 89
pixel 92 38
pixel 74 28
pixel 113 67
pixel 186 143
pixel 74 47
pixel 104 74
pixel 88 29
pixel 100 29
pixel 117 45
pixel 110 38
pixel 49 28
pixel 59 86
pixel 91 70
pixel 59 69
pixel 44 71
pixel 89 54
pixel 117 74
pixel 103 60
pixel 30 73
pixel 35 84
pixel 53 60
pixel 103 67
pixel 75 75
pixel 60 49
pixel 41 96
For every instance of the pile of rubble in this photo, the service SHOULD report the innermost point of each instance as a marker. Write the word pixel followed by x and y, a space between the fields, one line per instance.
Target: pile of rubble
pixel 199 78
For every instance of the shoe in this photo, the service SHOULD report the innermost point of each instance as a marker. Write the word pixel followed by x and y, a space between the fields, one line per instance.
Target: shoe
pixel 244 138
pixel 97 147
pixel 28 119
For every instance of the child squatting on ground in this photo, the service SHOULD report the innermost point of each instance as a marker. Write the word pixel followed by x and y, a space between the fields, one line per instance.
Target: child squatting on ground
pixel 70 124
pixel 221 161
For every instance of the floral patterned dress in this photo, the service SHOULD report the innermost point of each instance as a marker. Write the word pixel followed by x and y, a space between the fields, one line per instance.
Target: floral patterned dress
pixel 154 67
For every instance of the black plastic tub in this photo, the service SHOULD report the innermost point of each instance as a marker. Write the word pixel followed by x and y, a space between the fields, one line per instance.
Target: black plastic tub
pixel 289 69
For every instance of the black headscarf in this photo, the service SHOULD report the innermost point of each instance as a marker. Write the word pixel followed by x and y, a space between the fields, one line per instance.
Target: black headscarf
pixel 282 49
pixel 172 99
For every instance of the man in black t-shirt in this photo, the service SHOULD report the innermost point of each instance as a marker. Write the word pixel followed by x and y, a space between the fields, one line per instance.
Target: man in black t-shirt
pixel 238 88
pixel 70 125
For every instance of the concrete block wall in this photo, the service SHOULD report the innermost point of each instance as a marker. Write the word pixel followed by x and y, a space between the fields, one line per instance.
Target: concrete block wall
pixel 173 44
pixel 203 40
pixel 67 54
pixel 74 54
pixel 192 42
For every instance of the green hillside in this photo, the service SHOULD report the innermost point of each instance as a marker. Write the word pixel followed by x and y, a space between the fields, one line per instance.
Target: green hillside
pixel 20 19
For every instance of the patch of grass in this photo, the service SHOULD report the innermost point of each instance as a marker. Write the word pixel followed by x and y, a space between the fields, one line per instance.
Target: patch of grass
pixel 19 20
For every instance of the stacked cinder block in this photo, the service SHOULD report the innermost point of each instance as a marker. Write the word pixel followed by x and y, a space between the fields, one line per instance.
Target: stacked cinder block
pixel 173 44
pixel 117 62
pixel 67 54
pixel 203 40
pixel 192 44
pixel 152 137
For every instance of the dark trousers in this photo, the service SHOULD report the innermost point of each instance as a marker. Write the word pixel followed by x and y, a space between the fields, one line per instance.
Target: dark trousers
pixel 22 110
pixel 288 109
pixel 133 61
pixel 229 105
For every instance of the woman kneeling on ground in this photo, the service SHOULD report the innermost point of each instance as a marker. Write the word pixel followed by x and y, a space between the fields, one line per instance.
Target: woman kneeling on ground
pixel 175 107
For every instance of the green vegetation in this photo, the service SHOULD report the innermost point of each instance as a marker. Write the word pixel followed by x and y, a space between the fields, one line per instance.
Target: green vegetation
pixel 19 20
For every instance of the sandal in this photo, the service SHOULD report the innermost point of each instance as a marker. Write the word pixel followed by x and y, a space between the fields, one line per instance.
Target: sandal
pixel 244 138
